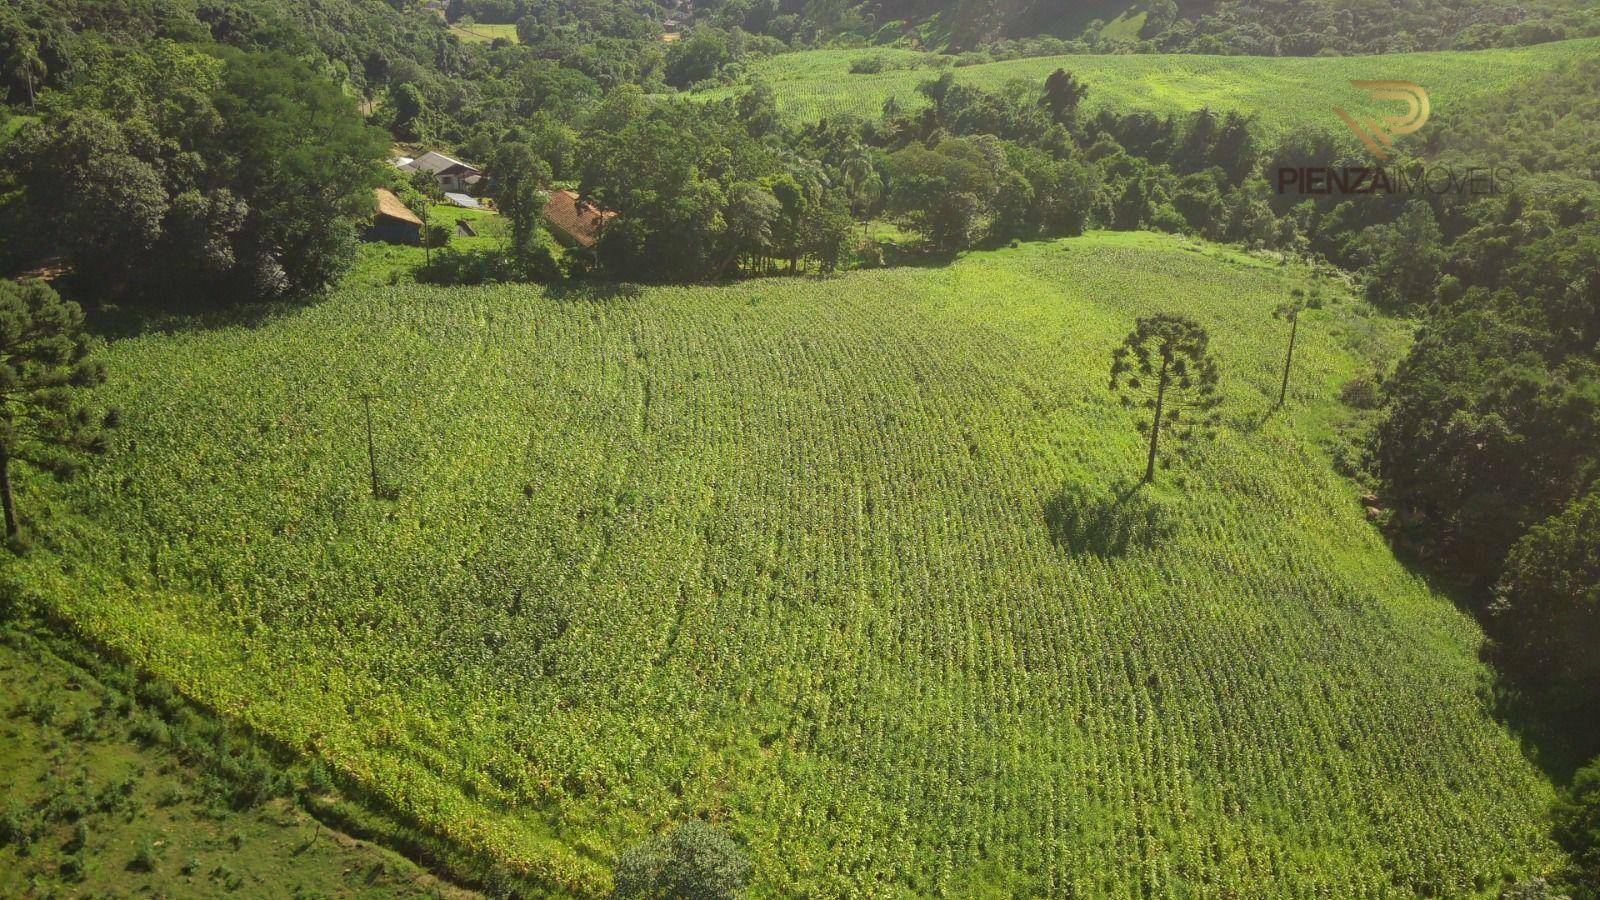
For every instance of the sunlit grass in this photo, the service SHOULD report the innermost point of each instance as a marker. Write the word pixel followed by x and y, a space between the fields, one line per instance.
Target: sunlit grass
pixel 483 34
pixel 807 557
pixel 1282 92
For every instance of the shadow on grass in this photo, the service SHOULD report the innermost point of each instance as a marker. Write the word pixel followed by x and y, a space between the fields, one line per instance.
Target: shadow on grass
pixel 592 291
pixel 128 320
pixel 1106 523
pixel 1251 423
pixel 1550 736
pixel 918 256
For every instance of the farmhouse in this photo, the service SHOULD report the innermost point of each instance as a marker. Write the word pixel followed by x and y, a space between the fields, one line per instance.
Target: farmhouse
pixel 574 223
pixel 392 222
pixel 452 174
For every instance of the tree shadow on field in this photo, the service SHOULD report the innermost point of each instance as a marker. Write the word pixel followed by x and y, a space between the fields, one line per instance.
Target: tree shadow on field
pixel 1106 523
pixel 1544 730
pixel 1250 423
pixel 592 291
pixel 132 319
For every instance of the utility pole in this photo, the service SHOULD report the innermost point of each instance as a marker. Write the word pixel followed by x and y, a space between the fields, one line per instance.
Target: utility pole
pixel 1155 424
pixel 426 215
pixel 1297 303
pixel 372 453
pixel 1288 360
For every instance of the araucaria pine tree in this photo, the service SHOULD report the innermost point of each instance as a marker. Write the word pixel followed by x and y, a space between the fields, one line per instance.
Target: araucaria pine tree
pixel 1164 367
pixel 45 364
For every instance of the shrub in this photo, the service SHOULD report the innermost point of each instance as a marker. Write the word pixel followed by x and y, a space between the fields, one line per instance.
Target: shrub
pixel 694 861
pixel 16 829
pixel 1577 827
pixel 868 65
pixel 160 696
pixel 147 857
pixel 439 234
pixel 1535 888
pixel 1166 218
pixel 42 709
pixel 1362 392
pixel 480 266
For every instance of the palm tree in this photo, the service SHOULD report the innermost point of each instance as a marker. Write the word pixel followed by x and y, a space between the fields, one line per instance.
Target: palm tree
pixel 29 67
pixel 861 181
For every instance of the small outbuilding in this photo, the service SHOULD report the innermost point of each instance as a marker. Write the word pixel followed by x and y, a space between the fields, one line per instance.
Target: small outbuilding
pixel 462 200
pixel 393 223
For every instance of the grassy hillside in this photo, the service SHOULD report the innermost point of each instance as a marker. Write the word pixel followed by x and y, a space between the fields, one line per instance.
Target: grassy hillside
pixel 1283 91
pixel 93 807
pixel 848 565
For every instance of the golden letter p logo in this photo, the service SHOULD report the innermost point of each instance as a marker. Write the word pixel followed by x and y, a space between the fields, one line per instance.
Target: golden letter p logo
pixel 1380 136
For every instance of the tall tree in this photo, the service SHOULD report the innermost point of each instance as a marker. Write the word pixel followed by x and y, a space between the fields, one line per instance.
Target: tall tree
pixel 45 363
pixel 196 174
pixel 29 67
pixel 749 217
pixel 828 229
pixel 419 191
pixel 1547 617
pixel 410 110
pixel 105 203
pixel 519 179
pixel 1406 258
pixel 668 171
pixel 1164 366
pixel 862 183
pixel 941 191
pixel 1062 94
pixel 303 159
pixel 1577 827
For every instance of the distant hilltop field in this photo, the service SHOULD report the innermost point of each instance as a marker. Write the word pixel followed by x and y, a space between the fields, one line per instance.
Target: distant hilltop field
pixel 1282 92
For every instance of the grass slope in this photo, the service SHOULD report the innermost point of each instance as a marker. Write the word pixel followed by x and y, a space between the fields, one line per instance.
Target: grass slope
pixel 1283 91
pixel 381 264
pixel 839 563
pixel 90 809
pixel 1125 27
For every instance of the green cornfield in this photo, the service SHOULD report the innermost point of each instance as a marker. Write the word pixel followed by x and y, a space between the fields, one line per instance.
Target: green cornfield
pixel 1284 92
pixel 850 565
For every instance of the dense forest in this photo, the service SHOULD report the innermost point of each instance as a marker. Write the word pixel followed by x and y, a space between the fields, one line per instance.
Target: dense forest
pixel 216 152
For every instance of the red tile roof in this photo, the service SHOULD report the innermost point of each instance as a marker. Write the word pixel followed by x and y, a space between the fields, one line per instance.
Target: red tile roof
pixel 579 221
